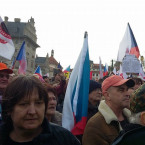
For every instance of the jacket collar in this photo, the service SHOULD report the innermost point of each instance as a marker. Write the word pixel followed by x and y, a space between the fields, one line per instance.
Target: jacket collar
pixel 109 115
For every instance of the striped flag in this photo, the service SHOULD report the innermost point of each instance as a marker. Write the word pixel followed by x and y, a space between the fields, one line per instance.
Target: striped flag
pixel 67 72
pixel 39 73
pixel 21 57
pixel 105 73
pixel 7 48
pixel 128 45
pixel 75 106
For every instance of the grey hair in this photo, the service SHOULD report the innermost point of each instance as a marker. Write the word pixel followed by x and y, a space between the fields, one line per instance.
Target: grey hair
pixel 135 118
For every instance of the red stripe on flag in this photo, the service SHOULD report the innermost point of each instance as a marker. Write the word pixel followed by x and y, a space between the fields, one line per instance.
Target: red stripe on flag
pixel 135 51
pixel 91 74
pixel 3 41
pixel 4 34
pixel 79 126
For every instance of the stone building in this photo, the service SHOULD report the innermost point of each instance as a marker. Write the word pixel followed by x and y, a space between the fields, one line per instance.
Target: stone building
pixel 43 62
pixel 47 64
pixel 23 31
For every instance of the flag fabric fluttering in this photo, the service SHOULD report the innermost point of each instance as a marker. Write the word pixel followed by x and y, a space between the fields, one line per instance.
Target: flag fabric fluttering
pixel 105 73
pixel 67 72
pixel 21 57
pixel 128 45
pixel 75 106
pixel 59 66
pixel 122 74
pixel 39 73
pixel 100 68
pixel 7 48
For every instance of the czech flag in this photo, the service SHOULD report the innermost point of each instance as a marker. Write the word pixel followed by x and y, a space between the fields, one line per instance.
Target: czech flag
pixel 39 73
pixel 128 45
pixel 7 48
pixel 75 107
pixel 21 57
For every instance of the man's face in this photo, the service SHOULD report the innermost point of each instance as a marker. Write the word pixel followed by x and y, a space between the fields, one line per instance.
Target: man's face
pixel 4 77
pixel 95 96
pixel 119 96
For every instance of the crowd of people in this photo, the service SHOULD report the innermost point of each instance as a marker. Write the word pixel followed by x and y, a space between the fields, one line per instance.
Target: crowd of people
pixel 31 110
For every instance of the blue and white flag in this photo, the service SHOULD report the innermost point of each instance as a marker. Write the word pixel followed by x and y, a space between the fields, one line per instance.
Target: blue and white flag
pixel 75 106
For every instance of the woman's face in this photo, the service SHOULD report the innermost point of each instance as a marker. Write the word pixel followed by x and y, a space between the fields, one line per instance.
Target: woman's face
pixel 28 113
pixel 52 102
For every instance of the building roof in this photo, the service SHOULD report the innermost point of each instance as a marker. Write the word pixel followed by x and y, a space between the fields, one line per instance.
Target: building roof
pixel 52 60
pixel 40 60
pixel 16 29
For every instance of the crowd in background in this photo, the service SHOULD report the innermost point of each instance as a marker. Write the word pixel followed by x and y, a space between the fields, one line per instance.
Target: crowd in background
pixel 115 108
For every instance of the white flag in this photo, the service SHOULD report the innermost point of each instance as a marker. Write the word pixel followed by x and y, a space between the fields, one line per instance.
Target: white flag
pixel 7 48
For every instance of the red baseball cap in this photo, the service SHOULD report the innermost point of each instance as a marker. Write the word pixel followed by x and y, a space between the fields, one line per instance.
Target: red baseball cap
pixel 3 67
pixel 115 81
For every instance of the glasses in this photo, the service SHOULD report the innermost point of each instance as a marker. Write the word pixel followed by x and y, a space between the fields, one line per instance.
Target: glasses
pixel 4 75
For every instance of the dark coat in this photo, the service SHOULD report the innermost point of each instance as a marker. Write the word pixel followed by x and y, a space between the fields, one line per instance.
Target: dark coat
pixel 133 137
pixel 51 135
pixel 92 110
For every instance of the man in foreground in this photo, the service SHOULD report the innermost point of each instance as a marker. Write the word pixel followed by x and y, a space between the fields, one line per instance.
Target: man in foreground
pixel 112 117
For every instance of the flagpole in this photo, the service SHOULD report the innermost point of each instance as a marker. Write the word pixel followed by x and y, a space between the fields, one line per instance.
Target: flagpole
pixel 14 65
pixel 86 34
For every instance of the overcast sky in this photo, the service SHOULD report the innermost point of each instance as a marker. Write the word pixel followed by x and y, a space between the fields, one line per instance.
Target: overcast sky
pixel 60 25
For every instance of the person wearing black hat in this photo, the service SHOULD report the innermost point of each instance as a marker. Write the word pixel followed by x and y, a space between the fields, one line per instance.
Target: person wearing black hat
pixel 95 96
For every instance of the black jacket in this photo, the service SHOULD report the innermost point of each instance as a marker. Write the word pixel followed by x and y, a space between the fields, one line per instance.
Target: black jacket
pixel 92 110
pixel 51 135
pixel 134 136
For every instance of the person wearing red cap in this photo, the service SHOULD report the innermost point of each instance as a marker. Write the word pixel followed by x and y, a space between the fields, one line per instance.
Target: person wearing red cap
pixel 4 77
pixel 113 114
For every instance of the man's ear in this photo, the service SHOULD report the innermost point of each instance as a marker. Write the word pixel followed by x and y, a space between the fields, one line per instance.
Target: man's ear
pixel 107 96
pixel 143 118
